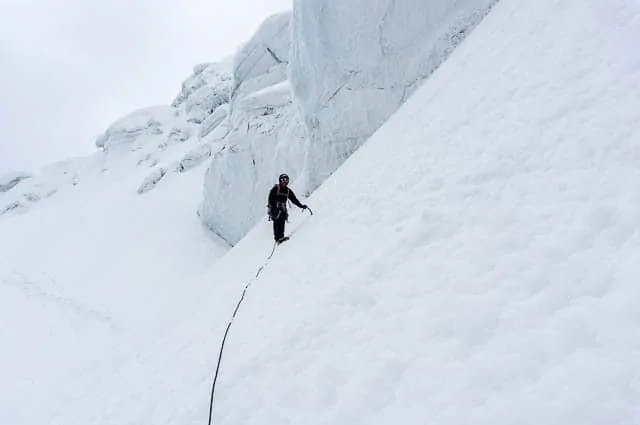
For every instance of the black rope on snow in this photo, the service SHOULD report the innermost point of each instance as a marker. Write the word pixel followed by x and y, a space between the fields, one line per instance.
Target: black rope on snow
pixel 226 332
pixel 233 316
pixel 238 305
pixel 269 257
pixel 224 339
pixel 213 386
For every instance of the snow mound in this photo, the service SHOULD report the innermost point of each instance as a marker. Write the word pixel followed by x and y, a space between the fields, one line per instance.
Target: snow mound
pixel 194 157
pixel 40 186
pixel 152 180
pixel 138 126
pixel 205 90
pixel 180 133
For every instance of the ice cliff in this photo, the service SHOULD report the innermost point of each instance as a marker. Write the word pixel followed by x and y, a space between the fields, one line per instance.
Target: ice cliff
pixel 311 86
pixel 299 97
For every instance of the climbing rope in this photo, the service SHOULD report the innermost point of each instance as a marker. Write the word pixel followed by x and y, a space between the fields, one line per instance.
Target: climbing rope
pixel 233 316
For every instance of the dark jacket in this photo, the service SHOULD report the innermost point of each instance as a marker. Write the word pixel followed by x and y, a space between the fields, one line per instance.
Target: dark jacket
pixel 278 197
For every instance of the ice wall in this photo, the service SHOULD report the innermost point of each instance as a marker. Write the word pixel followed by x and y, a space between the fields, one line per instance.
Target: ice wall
pixel 354 63
pixel 265 135
pixel 311 86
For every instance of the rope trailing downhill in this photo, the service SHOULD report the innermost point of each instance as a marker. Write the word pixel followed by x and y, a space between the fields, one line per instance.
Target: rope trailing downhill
pixel 233 316
pixel 224 338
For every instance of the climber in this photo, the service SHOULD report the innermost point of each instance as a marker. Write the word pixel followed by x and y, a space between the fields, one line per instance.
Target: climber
pixel 278 197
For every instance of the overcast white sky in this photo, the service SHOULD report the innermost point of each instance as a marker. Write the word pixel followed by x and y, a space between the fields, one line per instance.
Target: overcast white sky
pixel 68 68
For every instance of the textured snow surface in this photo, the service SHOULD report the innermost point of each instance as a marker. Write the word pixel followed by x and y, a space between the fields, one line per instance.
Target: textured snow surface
pixel 11 180
pixel 146 122
pixel 475 262
pixel 98 258
pixel 213 121
pixel 208 88
pixel 92 273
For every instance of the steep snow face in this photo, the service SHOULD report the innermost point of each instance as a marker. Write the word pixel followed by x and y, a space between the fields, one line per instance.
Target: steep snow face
pixel 476 261
pixel 264 138
pixel 354 63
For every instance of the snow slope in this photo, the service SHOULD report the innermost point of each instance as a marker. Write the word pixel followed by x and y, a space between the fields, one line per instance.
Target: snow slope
pixel 11 180
pixel 93 269
pixel 474 262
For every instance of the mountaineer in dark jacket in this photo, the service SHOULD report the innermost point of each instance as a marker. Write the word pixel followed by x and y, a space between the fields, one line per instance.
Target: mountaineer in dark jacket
pixel 278 197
